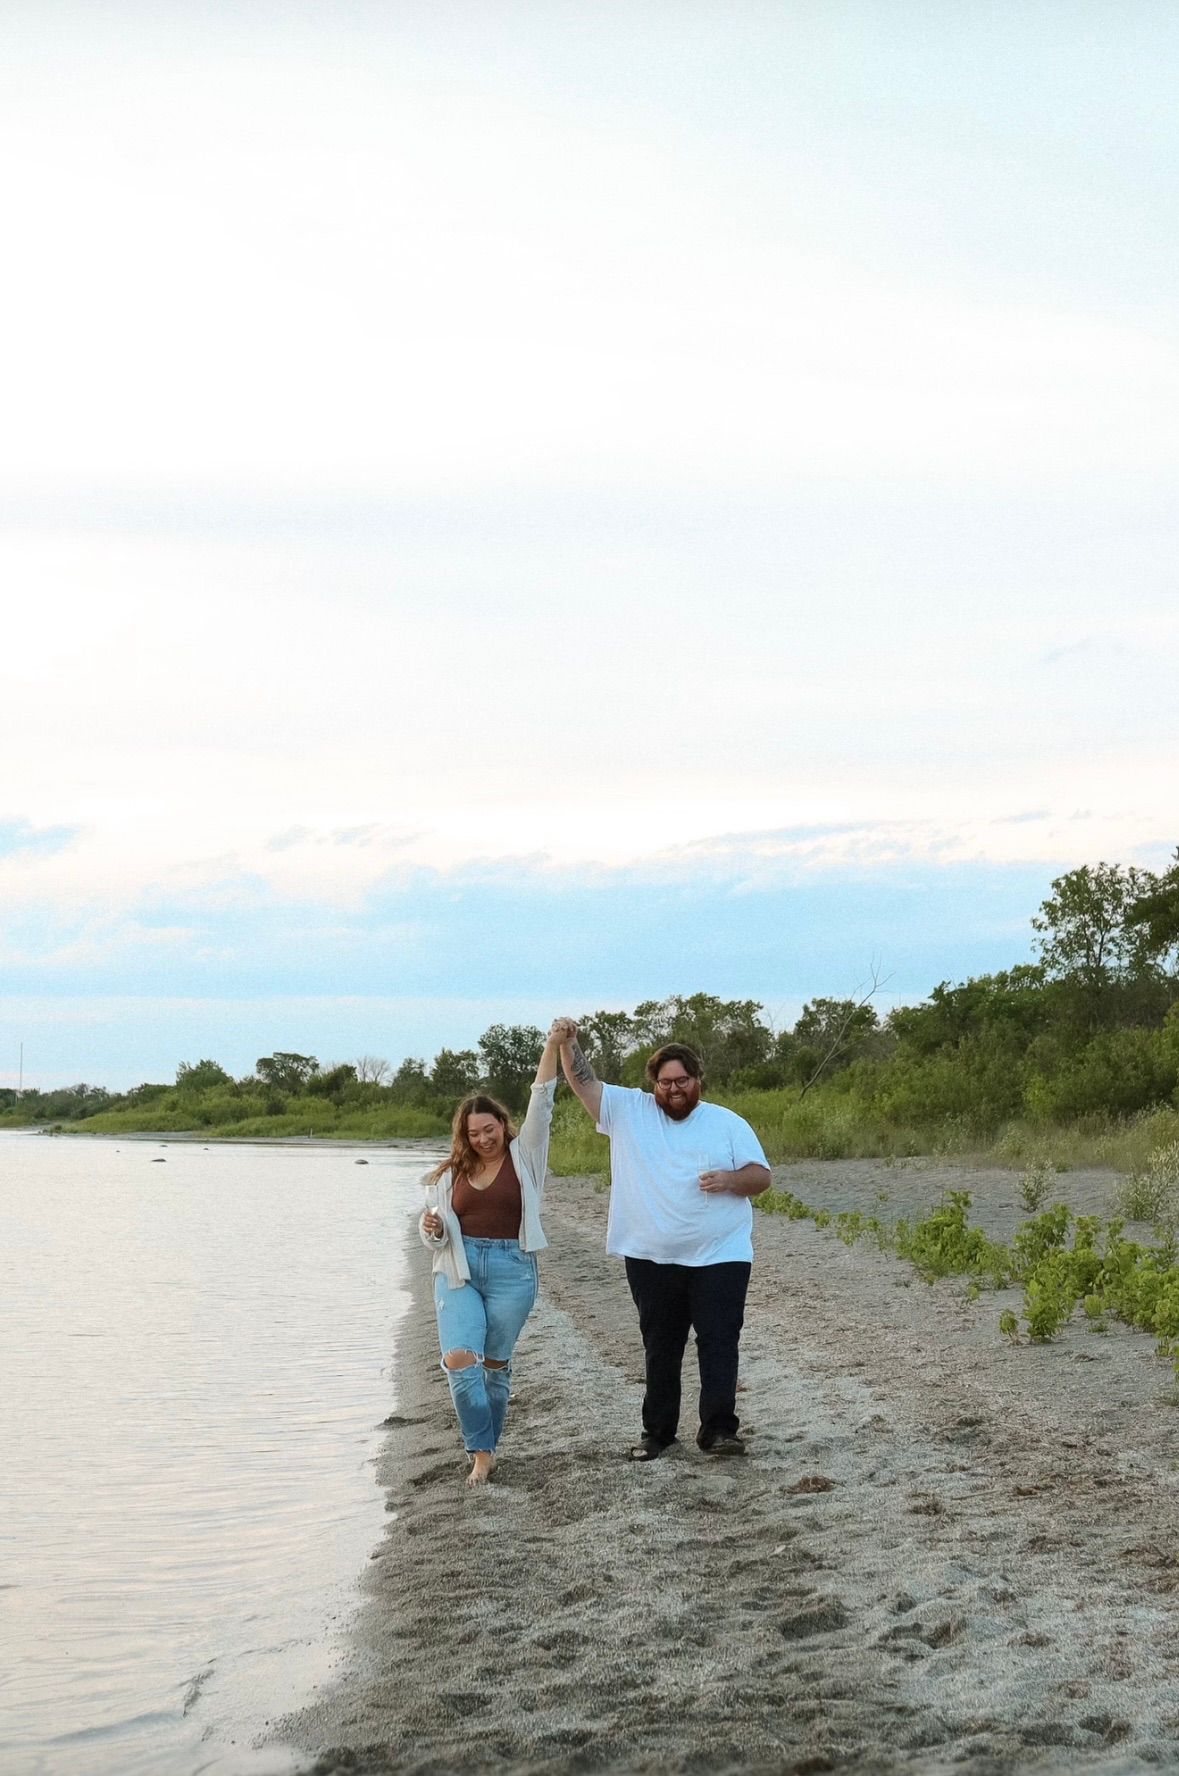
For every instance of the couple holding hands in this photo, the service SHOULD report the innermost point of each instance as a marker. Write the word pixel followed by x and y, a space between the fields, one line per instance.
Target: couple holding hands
pixel 683 1172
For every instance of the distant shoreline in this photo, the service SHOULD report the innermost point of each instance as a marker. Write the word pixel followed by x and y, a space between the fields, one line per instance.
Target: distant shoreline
pixel 188 1137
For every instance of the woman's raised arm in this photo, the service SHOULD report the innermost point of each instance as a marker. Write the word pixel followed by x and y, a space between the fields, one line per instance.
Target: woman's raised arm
pixel 534 1130
pixel 546 1067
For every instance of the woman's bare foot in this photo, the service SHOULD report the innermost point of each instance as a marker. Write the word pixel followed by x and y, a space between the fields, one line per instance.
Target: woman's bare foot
pixel 482 1464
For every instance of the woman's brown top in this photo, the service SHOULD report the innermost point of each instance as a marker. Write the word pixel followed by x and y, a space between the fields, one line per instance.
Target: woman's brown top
pixel 492 1213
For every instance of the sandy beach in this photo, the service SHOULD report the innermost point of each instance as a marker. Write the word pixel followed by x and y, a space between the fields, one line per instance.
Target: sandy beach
pixel 942 1551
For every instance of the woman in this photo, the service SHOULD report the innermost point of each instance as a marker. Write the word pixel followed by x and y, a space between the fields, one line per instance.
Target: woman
pixel 484 1231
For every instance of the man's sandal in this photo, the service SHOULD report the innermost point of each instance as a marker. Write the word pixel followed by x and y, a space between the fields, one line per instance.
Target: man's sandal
pixel 648 1449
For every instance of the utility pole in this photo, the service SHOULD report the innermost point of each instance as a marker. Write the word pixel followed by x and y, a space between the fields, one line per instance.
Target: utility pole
pixel 20 1078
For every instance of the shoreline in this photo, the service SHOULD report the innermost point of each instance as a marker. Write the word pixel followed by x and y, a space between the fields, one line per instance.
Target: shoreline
pixel 940 1550
pixel 204 1137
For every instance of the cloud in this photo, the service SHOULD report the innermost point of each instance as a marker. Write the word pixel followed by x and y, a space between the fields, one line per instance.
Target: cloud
pixel 21 838
pixel 519 945
pixel 1084 648
pixel 373 832
pixel 773 924
pixel 872 849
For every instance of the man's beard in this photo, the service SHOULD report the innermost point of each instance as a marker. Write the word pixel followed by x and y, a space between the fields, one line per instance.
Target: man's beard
pixel 683 1107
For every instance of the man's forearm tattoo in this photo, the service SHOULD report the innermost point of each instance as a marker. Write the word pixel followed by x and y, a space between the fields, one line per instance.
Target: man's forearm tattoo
pixel 579 1066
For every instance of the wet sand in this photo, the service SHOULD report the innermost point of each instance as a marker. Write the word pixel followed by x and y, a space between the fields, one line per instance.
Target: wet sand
pixel 941 1552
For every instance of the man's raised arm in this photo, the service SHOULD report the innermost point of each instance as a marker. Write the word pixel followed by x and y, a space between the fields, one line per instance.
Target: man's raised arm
pixel 583 1081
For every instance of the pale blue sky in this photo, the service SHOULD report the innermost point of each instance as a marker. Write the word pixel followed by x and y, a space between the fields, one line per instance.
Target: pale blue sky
pixel 510 507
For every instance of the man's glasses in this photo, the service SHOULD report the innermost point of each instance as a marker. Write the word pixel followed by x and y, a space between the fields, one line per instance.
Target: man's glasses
pixel 669 1084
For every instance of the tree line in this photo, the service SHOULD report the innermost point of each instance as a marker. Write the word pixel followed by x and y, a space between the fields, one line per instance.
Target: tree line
pixel 1091 1027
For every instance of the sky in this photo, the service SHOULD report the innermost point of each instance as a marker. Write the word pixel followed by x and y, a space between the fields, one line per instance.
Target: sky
pixel 525 506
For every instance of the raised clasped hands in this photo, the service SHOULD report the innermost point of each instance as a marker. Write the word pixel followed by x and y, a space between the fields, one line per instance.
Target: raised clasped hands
pixel 563 1029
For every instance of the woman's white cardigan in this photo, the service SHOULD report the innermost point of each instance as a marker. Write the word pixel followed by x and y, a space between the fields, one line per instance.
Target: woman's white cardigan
pixel 530 1156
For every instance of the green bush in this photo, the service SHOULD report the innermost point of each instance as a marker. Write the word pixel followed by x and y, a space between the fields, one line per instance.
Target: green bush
pixel 1117 1073
pixel 827 1124
pixel 1036 1185
pixel 944 1245
pixel 216 1108
pixel 1152 1193
pixel 978 1084
pixel 1036 1239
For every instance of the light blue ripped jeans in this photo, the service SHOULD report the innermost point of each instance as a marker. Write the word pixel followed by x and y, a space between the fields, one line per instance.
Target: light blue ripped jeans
pixel 485 1317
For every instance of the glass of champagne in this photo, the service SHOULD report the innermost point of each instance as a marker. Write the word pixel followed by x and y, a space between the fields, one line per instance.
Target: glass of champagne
pixel 704 1162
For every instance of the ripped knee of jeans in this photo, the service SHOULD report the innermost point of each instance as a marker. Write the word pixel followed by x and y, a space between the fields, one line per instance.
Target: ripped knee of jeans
pixel 460 1359
pixel 497 1362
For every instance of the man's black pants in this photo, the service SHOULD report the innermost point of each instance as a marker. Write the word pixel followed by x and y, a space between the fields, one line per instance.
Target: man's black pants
pixel 672 1300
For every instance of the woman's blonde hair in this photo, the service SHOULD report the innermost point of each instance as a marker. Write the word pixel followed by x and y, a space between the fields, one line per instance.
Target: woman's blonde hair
pixel 462 1156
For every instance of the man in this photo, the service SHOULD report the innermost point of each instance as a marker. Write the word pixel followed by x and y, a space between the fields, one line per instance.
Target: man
pixel 680 1215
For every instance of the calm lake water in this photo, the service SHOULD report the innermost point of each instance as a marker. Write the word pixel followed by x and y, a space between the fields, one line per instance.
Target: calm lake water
pixel 195 1358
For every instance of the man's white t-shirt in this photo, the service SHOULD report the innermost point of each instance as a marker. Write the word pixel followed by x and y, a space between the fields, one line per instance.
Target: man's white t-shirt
pixel 657 1208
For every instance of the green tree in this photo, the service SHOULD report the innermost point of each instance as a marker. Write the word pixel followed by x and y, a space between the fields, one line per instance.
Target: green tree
pixel 410 1084
pixel 839 1024
pixel 727 1034
pixel 607 1037
pixel 455 1073
pixel 1155 913
pixel 509 1053
pixel 199 1076
pixel 335 1083
pixel 286 1072
pixel 68 1104
pixel 1085 934
pixel 1015 1000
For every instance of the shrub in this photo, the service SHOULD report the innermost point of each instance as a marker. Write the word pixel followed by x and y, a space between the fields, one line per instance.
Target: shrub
pixel 1118 1072
pixel 979 1085
pixel 783 1202
pixel 1152 1194
pixel 1036 1239
pixel 943 1245
pixel 1035 1185
pixel 1058 1279
pixel 215 1108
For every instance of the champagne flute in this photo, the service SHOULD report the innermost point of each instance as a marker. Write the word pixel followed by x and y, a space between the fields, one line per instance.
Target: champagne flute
pixel 702 1162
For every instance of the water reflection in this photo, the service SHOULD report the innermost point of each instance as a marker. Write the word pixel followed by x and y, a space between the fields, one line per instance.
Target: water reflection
pixel 195 1359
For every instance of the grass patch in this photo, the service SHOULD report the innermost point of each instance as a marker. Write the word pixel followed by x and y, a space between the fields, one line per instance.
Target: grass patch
pixel 1093 1143
pixel 576 1149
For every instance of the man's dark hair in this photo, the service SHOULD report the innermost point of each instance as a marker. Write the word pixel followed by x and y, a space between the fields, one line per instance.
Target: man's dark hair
pixel 675 1051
